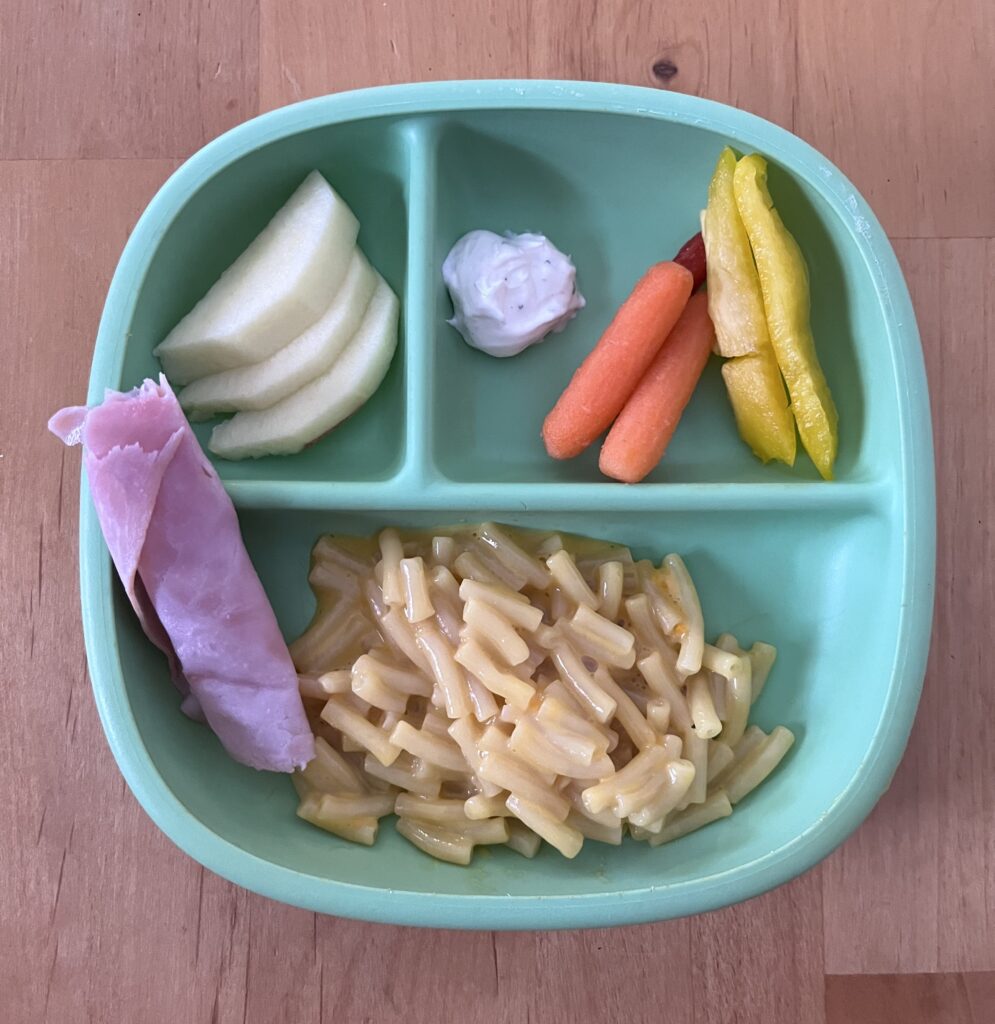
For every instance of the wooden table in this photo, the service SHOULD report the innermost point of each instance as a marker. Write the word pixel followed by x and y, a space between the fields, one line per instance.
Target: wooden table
pixel 101 918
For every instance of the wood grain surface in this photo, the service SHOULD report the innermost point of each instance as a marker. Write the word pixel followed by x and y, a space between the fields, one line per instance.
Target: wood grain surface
pixel 101 918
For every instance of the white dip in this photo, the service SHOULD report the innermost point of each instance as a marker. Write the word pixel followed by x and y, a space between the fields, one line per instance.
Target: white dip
pixel 509 291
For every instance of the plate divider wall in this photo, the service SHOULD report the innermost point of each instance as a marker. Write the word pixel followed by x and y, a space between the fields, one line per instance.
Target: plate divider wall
pixel 420 140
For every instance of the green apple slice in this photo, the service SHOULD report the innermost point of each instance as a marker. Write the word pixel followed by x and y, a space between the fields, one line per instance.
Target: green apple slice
pixel 264 384
pixel 274 291
pixel 313 410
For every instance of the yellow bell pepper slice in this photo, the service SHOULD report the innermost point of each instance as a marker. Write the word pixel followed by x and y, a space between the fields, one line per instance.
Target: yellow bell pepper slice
pixel 785 287
pixel 736 306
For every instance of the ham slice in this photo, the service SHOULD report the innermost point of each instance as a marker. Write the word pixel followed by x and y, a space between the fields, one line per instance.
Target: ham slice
pixel 174 538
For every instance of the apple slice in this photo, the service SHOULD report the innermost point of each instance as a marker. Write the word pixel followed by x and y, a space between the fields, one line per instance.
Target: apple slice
pixel 313 410
pixel 263 384
pixel 273 292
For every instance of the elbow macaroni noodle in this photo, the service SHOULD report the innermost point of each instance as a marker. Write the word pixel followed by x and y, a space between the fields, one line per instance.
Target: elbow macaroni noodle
pixel 491 686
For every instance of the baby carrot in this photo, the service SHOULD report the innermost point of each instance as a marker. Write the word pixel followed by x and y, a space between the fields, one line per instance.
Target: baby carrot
pixel 607 377
pixel 640 435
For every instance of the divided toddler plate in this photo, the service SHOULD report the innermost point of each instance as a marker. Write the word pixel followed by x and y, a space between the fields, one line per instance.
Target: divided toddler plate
pixel 838 575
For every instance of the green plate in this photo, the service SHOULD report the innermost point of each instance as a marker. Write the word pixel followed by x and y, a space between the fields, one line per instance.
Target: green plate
pixel 839 576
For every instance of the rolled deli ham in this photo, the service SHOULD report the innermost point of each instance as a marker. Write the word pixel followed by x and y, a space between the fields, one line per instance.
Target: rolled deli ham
pixel 174 538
